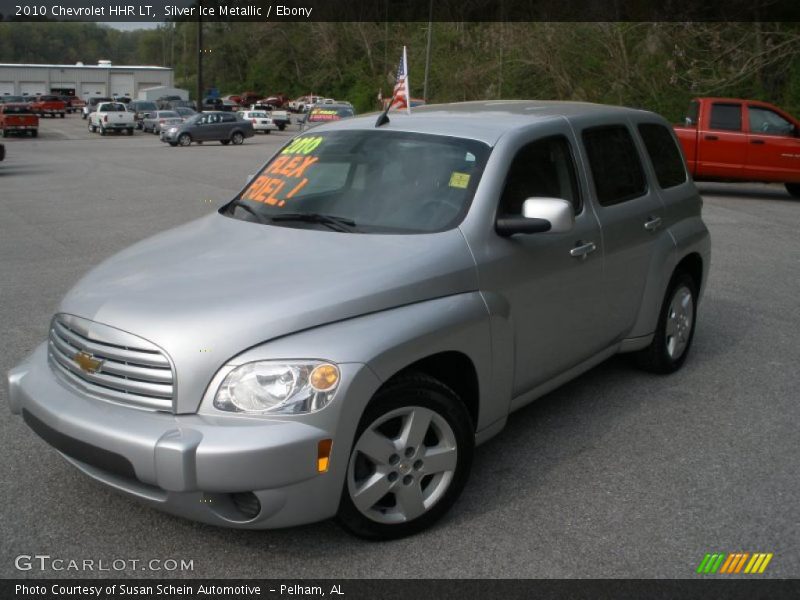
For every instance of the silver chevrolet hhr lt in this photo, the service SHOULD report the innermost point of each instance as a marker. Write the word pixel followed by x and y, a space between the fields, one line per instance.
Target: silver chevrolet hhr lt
pixel 336 339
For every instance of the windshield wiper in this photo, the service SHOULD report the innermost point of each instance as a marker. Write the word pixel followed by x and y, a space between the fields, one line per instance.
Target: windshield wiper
pixel 239 204
pixel 333 222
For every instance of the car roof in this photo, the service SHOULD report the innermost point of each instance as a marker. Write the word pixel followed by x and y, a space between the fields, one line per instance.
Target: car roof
pixel 485 121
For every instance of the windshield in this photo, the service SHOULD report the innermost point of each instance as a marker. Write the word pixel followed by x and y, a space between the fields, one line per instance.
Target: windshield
pixel 168 114
pixel 382 181
pixel 145 106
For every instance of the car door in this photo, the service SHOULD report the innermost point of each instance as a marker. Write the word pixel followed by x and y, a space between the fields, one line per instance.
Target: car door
pixel 631 216
pixel 553 282
pixel 773 149
pixel 204 128
pixel 227 124
pixel 722 146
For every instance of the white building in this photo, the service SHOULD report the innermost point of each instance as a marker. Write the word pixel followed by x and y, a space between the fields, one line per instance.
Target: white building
pixel 102 79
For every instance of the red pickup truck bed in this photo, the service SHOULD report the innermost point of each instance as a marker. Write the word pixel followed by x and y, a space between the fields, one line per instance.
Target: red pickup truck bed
pixel 49 105
pixel 730 139
pixel 17 118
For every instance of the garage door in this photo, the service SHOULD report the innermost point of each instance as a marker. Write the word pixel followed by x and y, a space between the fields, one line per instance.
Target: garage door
pixel 89 90
pixel 31 88
pixel 6 88
pixel 122 85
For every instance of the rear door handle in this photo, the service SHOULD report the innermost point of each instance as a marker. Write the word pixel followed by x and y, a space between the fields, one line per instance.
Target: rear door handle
pixel 652 223
pixel 759 142
pixel 712 138
pixel 583 249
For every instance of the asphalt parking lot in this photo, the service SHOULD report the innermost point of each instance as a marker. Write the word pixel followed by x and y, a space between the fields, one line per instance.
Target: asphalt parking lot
pixel 617 474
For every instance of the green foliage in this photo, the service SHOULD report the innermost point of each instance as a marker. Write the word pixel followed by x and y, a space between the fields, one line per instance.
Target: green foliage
pixel 658 66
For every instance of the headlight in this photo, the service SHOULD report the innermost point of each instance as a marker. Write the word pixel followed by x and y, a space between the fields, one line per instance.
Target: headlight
pixel 278 387
pixel 173 129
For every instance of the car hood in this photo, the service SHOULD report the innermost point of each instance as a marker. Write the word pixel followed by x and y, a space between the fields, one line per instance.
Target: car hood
pixel 206 291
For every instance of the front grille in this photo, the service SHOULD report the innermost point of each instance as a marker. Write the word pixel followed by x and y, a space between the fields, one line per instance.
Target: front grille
pixel 133 371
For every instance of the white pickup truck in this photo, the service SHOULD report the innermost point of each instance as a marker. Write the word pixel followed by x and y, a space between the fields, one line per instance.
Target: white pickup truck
pixel 279 117
pixel 111 116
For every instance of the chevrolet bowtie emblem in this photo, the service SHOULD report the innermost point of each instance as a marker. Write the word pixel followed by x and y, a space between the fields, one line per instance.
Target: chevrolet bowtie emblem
pixel 87 362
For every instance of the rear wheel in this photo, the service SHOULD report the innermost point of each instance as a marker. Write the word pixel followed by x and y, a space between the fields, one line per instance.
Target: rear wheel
pixel 675 330
pixel 184 139
pixel 410 460
pixel 793 189
pixel 237 138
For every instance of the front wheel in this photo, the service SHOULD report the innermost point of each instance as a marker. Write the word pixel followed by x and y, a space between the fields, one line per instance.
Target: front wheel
pixel 102 130
pixel 173 144
pixel 410 460
pixel 224 142
pixel 675 330
pixel 184 139
pixel 91 127
pixel 793 189
pixel 237 138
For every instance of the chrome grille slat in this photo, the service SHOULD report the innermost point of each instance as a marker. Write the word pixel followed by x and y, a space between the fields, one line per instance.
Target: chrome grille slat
pixel 101 350
pixel 133 371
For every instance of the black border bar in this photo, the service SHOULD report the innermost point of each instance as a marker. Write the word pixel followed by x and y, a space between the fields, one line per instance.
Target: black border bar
pixel 400 10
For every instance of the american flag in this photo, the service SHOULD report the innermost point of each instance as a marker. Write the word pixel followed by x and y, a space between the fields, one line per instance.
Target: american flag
pixel 400 96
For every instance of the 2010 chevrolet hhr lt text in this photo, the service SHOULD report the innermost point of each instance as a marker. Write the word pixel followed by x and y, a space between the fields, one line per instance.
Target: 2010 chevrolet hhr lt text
pixel 378 299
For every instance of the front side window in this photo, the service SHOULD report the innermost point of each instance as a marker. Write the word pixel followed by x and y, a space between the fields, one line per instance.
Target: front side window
pixel 615 165
pixel 727 117
pixel 542 169
pixel 664 154
pixel 381 181
pixel 768 122
pixel 692 114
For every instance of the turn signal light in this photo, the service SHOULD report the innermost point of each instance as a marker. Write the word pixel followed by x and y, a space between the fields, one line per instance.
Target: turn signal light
pixel 324 377
pixel 324 455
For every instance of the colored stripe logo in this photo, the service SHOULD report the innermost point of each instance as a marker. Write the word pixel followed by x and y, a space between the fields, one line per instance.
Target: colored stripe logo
pixel 722 563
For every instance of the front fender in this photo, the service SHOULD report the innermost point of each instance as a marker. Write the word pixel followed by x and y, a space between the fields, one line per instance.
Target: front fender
pixel 388 341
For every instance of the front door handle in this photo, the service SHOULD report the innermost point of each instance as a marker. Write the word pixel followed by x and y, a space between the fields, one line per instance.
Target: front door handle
pixel 652 223
pixel 583 249
pixel 711 138
pixel 759 142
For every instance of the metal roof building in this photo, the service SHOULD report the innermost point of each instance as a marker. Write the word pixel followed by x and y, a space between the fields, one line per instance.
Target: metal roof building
pixel 102 79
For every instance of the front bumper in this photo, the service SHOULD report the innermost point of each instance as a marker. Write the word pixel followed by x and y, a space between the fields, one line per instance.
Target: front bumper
pixel 193 465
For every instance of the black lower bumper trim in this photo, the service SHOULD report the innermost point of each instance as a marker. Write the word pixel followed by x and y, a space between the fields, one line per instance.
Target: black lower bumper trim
pixel 86 453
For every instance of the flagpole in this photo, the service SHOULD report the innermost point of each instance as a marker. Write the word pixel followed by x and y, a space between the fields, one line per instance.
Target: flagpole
pixel 408 81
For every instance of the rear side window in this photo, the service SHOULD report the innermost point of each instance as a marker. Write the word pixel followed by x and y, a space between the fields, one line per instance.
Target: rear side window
pixel 616 168
pixel 768 122
pixel 228 118
pixel 726 116
pixel 664 155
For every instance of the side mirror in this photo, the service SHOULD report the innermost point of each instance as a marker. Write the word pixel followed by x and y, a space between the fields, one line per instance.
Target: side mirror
pixel 249 178
pixel 539 215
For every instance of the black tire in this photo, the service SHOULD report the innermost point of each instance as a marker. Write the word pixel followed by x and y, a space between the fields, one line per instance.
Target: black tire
pixel 173 144
pixel 61 115
pixel 282 126
pixel 102 130
pixel 267 131
pixel 413 390
pixel 5 133
pixel 91 127
pixel 130 130
pixel 224 142
pixel 34 133
pixel 793 189
pixel 237 137
pixel 656 357
pixel 184 139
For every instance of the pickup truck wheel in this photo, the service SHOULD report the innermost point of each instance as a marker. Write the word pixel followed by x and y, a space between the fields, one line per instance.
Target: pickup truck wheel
pixel 410 460
pixel 90 127
pixel 281 126
pixel 237 138
pixel 102 130
pixel 675 330
pixel 184 139
pixel 61 115
pixel 793 189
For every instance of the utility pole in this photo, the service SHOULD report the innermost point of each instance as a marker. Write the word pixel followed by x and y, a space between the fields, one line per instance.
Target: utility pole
pixel 428 52
pixel 200 58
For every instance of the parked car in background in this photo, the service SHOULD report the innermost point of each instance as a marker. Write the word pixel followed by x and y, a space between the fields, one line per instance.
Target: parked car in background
pixel 261 120
pixel 74 104
pixel 155 122
pixel 140 109
pixel 18 119
pixel 185 112
pixel 730 139
pixel 91 105
pixel 323 113
pixel 379 300
pixel 280 117
pixel 175 104
pixel 303 102
pixel 111 116
pixel 218 104
pixel 217 126
pixel 50 106
pixel 11 99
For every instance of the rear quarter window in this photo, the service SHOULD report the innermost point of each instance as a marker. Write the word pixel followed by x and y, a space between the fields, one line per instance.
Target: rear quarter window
pixel 664 155
pixel 614 161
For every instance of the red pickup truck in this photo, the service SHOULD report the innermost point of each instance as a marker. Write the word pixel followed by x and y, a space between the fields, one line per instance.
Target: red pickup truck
pixel 17 118
pixel 49 105
pixel 729 139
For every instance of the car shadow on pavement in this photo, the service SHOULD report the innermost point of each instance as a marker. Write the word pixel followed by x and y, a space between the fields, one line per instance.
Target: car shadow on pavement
pixel 751 192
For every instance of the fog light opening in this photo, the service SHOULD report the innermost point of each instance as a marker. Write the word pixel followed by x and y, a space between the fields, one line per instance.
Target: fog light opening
pixel 247 503
pixel 324 455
